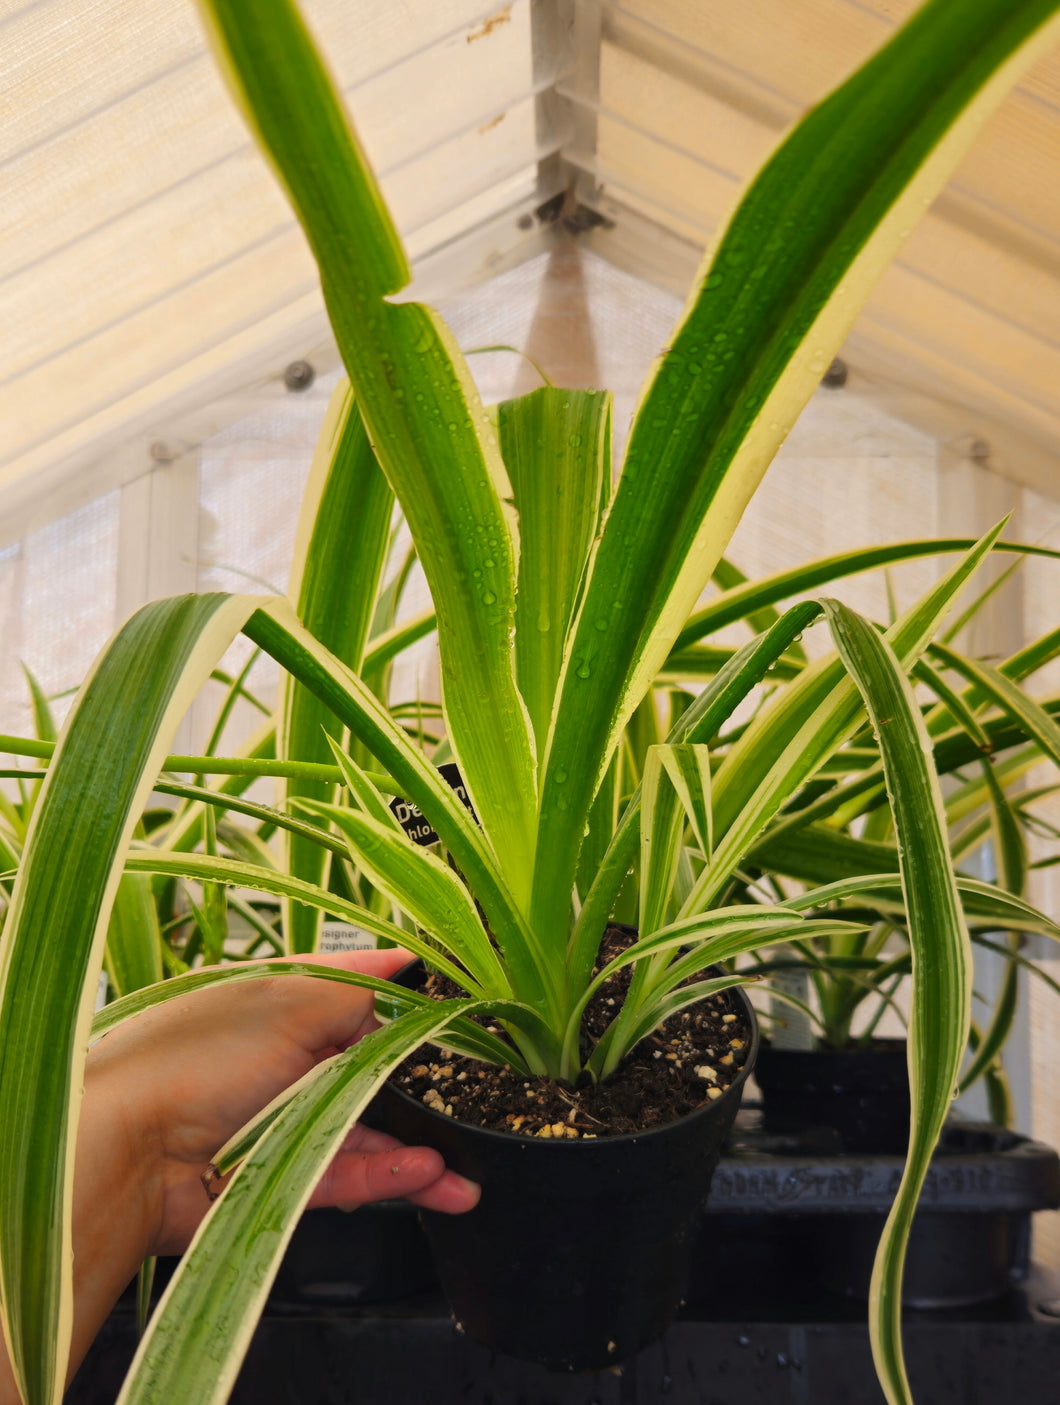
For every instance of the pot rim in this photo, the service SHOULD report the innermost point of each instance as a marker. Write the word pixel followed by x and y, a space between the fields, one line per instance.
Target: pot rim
pixel 887 1044
pixel 734 1090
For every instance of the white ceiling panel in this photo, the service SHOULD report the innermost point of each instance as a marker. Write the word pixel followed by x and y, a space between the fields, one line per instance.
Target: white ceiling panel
pixel 144 232
pixel 149 263
pixel 677 102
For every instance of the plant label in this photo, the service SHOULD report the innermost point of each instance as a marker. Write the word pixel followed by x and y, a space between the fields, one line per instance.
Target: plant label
pixel 411 817
pixel 341 936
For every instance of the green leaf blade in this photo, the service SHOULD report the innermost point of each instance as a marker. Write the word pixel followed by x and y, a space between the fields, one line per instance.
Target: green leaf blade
pixel 940 1015
pixel 697 726
pixel 793 735
pixel 134 942
pixel 743 601
pixel 557 449
pixel 418 881
pixel 98 780
pixel 443 461
pixel 202 1328
pixel 791 269
pixel 282 635
pixel 340 552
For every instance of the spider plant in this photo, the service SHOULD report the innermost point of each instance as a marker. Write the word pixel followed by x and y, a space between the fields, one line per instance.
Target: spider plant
pixel 848 830
pixel 987 739
pixel 559 598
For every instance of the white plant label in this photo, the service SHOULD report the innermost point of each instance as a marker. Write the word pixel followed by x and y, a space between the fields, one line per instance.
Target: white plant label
pixel 337 937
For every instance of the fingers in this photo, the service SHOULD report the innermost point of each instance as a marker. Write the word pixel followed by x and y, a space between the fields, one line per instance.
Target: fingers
pixel 322 1014
pixel 382 1169
pixel 450 1194
pixel 375 961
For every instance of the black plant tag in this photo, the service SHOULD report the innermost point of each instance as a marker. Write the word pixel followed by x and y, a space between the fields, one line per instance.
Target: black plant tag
pixel 411 818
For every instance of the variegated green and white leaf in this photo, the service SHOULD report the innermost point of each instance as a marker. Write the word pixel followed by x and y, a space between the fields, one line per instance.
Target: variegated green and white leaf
pixel 392 1001
pixel 983 903
pixel 993 684
pixel 974 793
pixel 442 459
pixel 728 577
pixel 697 726
pixel 133 953
pixel 206 868
pixel 202 1327
pixel 819 854
pixel 741 602
pixel 951 700
pixel 339 554
pixel 417 881
pixel 386 647
pixel 605 1056
pixel 227 801
pixel 808 721
pixel 557 449
pixel 940 1012
pixel 688 767
pixel 54 937
pixel 44 727
pixel 712 937
pixel 774 300
pixel 1010 851
pixel 362 790
pixel 661 826
pixel 281 634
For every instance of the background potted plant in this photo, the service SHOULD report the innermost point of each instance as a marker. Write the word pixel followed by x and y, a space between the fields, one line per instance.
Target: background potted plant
pixel 830 1070
pixel 594 597
pixel 843 1076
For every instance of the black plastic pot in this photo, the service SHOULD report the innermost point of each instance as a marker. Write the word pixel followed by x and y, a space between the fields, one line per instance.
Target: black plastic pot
pixel 799 1354
pixel 578 1253
pixel 376 1255
pixel 783 1213
pixel 854 1101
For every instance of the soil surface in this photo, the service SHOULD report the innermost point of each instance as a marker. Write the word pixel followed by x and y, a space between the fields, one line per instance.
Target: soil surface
pixel 690 1060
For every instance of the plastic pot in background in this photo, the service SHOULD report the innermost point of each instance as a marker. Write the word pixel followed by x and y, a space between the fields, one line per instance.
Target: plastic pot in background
pixel 377 1254
pixel 578 1253
pixel 854 1101
pixel 783 1214
pixel 954 1260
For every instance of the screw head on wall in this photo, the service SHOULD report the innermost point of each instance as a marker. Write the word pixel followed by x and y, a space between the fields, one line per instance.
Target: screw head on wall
pixel 836 375
pixel 299 375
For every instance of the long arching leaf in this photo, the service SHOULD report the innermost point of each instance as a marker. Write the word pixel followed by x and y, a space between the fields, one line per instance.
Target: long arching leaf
pixel 52 952
pixel 202 1327
pixel 417 398
pixel 462 1034
pixel 740 602
pixel 788 274
pixel 942 962
pixel 340 551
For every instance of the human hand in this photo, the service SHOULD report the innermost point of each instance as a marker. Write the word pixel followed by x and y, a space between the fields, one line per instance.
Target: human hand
pixel 166 1090
pixel 183 1077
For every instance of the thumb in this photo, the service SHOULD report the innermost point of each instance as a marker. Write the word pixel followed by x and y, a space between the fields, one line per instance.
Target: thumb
pixel 322 1014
